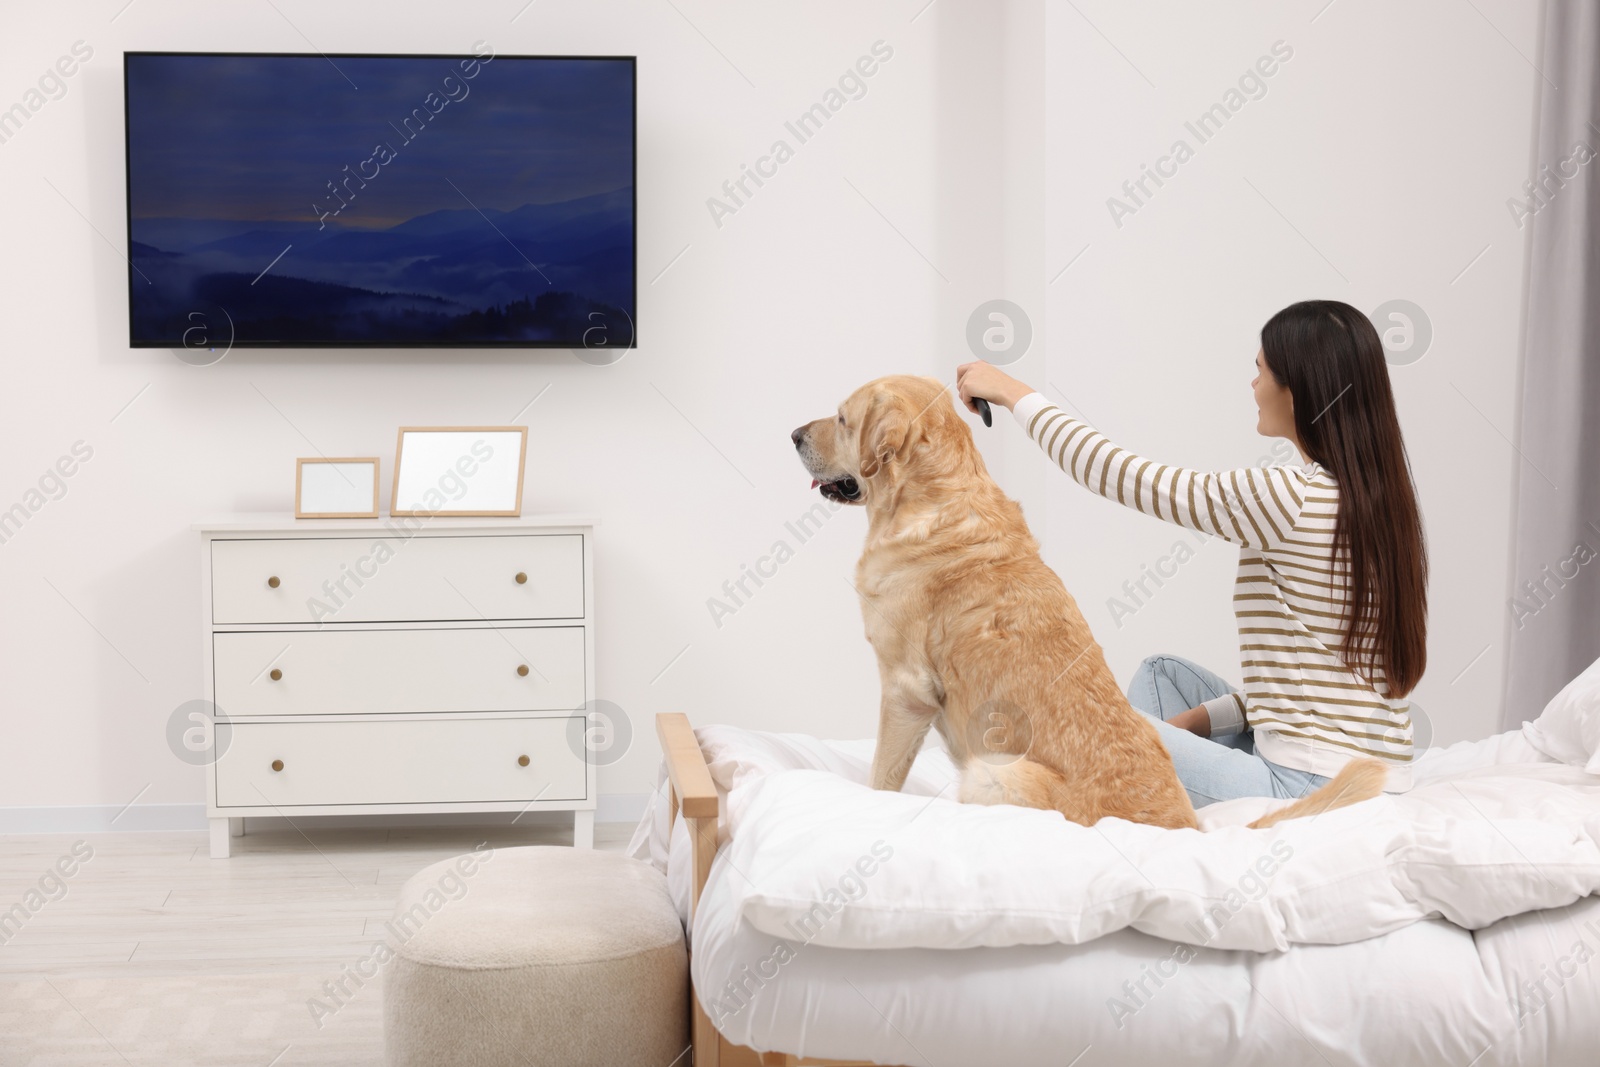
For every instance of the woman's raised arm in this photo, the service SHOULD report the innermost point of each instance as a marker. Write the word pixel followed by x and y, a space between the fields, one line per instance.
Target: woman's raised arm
pixel 1254 506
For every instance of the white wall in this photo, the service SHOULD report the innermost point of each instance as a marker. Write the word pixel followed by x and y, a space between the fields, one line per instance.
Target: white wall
pixel 981 155
pixel 1376 166
pixel 759 325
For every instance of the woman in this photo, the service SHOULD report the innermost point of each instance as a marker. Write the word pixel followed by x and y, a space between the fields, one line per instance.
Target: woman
pixel 1331 595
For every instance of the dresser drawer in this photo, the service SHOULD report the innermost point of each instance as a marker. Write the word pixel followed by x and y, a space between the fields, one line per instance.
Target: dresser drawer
pixel 430 761
pixel 387 579
pixel 333 672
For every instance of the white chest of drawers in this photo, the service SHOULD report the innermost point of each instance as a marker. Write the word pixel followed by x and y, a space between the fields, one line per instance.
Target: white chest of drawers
pixel 397 666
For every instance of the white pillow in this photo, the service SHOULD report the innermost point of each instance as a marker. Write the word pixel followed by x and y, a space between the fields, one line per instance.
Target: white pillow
pixel 735 755
pixel 1569 727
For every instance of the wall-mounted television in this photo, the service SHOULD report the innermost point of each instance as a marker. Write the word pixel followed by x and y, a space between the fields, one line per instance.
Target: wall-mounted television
pixel 313 201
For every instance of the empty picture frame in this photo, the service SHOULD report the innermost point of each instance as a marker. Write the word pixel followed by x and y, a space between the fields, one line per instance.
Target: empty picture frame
pixel 343 488
pixel 459 470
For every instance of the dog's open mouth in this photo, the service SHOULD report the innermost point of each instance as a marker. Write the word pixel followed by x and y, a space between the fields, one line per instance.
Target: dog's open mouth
pixel 846 490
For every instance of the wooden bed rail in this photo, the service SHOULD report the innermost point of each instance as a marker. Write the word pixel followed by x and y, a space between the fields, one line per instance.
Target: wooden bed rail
pixel 693 795
pixel 686 766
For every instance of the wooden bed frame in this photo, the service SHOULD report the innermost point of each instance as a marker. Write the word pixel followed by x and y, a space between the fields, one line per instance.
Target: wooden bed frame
pixel 694 797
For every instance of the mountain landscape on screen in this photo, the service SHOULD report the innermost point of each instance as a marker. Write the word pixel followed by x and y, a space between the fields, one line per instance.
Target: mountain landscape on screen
pixel 381 200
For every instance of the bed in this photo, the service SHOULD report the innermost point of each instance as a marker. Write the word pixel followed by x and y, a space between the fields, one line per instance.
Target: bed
pixel 1454 925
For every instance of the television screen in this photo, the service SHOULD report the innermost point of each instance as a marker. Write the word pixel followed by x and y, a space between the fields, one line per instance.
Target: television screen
pixel 422 200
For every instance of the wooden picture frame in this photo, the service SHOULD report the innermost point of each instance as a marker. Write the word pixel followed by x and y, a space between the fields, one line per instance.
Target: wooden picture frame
pixel 348 501
pixel 445 458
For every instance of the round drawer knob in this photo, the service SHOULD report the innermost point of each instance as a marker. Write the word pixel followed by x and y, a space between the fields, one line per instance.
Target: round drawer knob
pixel 273 583
pixel 522 670
pixel 522 761
pixel 275 674
pixel 522 577
pixel 277 764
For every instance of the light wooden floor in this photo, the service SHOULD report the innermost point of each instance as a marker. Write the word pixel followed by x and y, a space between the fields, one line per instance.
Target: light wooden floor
pixel 158 954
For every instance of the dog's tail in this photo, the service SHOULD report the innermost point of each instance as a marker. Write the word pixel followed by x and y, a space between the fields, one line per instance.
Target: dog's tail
pixel 1359 780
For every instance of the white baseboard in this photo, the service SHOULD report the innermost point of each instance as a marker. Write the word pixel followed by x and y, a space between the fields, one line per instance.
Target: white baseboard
pixel 149 818
pixel 103 818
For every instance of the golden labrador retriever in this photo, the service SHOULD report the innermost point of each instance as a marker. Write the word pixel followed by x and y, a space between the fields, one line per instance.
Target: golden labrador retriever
pixel 977 637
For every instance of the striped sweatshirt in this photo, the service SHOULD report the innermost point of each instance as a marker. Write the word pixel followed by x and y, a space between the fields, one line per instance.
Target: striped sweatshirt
pixel 1307 710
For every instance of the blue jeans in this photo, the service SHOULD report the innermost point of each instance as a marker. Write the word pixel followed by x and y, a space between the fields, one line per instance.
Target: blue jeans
pixel 1211 770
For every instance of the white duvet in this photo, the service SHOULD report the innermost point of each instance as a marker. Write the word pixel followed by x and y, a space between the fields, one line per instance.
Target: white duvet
pixel 1492 829
pixel 833 862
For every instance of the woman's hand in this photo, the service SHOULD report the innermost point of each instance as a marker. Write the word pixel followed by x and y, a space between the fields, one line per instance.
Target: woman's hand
pixel 985 380
pixel 1195 720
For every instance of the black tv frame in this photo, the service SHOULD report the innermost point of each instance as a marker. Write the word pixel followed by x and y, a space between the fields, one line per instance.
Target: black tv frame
pixel 127 191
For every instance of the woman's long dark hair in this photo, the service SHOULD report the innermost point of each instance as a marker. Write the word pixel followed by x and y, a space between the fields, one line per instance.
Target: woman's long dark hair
pixel 1329 357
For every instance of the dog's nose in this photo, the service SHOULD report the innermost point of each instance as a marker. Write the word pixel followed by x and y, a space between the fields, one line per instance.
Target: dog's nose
pixel 798 437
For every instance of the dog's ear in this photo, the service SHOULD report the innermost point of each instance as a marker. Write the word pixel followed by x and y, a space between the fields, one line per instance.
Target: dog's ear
pixel 883 433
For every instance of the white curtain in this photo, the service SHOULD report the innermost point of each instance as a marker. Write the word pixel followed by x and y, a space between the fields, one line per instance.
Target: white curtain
pixel 1555 597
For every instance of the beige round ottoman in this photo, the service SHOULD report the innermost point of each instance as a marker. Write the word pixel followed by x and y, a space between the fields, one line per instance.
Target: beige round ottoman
pixel 536 957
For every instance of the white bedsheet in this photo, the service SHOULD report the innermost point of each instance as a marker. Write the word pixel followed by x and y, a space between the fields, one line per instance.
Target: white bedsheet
pixel 1428 995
